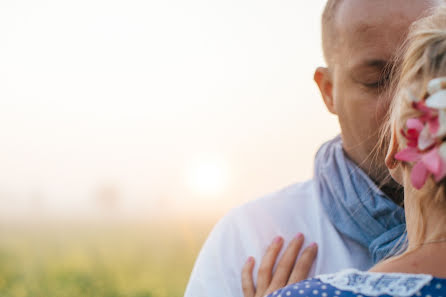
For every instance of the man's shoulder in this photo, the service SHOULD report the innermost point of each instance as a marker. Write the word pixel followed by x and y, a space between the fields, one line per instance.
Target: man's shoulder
pixel 294 192
pixel 293 198
pixel 248 230
pixel 295 208
pixel 251 226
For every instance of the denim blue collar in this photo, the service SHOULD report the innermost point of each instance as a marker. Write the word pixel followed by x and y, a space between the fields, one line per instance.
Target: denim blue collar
pixel 355 205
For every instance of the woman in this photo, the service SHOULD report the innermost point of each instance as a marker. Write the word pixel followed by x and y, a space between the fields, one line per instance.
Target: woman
pixel 416 159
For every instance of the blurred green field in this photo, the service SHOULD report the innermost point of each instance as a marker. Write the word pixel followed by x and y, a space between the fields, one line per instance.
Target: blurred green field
pixel 102 260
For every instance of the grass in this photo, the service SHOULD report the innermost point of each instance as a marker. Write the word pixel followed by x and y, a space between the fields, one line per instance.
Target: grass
pixel 114 260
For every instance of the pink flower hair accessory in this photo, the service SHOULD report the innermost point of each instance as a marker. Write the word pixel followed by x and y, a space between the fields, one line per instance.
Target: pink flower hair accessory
pixel 424 135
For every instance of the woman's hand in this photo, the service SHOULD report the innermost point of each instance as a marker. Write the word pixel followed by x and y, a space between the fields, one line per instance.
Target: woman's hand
pixel 288 271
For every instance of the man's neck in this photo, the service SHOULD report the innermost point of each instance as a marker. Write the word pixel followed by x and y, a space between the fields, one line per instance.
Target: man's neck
pixel 381 177
pixel 394 191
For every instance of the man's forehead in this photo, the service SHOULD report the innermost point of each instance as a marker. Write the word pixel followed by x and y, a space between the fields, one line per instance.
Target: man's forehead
pixel 370 32
pixel 368 46
pixel 361 16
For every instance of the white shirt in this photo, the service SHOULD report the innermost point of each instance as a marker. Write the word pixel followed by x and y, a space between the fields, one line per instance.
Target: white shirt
pixel 248 230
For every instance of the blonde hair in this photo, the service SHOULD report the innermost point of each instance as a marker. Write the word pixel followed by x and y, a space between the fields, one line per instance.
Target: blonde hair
pixel 423 57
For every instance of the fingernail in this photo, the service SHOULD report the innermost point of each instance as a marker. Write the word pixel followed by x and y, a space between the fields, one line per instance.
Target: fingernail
pixel 278 239
pixel 250 260
pixel 314 244
pixel 299 235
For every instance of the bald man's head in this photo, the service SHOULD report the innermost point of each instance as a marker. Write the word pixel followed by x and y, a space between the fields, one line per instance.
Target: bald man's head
pixel 328 28
pixel 330 23
pixel 360 40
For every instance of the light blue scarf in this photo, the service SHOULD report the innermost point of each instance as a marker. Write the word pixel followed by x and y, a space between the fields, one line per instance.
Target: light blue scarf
pixel 355 205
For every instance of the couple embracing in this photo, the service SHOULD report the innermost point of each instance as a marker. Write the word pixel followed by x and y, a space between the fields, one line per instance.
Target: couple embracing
pixel 372 221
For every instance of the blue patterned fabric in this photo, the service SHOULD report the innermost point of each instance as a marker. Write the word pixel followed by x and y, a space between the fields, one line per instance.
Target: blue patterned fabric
pixel 355 205
pixel 355 286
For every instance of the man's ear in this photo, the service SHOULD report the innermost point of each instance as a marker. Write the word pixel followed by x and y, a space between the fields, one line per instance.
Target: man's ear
pixel 323 79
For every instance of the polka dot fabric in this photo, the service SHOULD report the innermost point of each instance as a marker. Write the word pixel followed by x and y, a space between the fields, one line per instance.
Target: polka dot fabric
pixel 316 288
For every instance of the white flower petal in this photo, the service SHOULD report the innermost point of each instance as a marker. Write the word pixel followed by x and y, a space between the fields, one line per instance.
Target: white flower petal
pixel 442 150
pixel 436 85
pixel 437 100
pixel 442 124
pixel 425 139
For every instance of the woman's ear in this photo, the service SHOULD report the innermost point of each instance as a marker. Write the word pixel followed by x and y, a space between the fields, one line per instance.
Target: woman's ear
pixel 323 79
pixel 391 162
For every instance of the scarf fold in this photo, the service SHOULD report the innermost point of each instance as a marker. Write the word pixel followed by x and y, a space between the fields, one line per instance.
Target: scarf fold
pixel 355 205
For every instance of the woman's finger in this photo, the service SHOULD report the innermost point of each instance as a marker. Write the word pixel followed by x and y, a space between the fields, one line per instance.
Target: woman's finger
pixel 266 267
pixel 303 264
pixel 247 281
pixel 286 264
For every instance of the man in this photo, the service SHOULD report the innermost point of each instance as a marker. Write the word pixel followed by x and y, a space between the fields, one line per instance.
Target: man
pixel 341 209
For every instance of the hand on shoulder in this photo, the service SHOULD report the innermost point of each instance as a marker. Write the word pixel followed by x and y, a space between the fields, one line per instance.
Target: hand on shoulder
pixel 291 268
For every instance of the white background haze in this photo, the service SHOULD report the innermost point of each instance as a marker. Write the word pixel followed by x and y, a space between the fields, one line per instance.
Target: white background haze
pixel 156 107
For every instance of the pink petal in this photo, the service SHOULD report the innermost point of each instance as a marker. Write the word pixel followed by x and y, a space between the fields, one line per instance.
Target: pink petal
pixel 442 172
pixel 432 161
pixel 421 106
pixel 434 125
pixel 409 154
pixel 419 175
pixel 415 124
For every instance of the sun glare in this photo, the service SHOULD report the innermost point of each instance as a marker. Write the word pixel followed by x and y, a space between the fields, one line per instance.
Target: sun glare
pixel 208 177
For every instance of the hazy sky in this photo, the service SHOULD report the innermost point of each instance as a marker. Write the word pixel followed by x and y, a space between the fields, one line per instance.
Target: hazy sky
pixel 190 105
